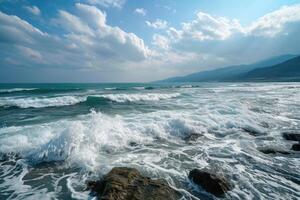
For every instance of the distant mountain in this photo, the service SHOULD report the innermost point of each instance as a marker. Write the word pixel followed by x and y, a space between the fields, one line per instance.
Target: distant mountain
pixel 288 70
pixel 231 73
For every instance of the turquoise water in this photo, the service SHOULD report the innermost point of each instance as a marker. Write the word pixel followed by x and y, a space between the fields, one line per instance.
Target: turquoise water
pixel 55 137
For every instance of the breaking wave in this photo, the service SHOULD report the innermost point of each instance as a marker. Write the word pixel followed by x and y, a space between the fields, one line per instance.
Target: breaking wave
pixel 16 90
pixel 41 102
pixel 121 98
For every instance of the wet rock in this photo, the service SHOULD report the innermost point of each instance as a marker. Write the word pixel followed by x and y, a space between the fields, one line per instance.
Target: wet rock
pixel 192 137
pixel 291 136
pixel 273 151
pixel 296 147
pixel 213 184
pixel 128 184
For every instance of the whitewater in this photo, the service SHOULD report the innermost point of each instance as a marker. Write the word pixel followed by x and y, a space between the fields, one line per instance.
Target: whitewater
pixel 56 137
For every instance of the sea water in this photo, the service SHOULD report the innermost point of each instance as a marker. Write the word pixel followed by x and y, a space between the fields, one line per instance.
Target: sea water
pixel 56 137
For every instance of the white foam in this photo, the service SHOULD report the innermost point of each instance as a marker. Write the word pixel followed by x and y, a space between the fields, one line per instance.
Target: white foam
pixel 110 88
pixel 186 86
pixel 16 90
pixel 41 102
pixel 138 97
pixel 139 88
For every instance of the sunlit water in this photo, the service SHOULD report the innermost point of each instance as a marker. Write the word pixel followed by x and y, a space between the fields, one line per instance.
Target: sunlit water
pixel 53 138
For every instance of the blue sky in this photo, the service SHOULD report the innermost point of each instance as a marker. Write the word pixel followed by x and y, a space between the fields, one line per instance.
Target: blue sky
pixel 135 40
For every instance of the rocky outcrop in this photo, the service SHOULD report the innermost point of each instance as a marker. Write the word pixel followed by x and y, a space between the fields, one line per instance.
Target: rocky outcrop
pixel 291 136
pixel 124 183
pixel 213 184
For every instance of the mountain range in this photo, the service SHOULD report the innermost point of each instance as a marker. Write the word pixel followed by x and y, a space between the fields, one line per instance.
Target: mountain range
pixel 280 68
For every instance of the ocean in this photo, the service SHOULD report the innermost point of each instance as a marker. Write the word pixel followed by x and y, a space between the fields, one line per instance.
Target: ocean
pixel 56 137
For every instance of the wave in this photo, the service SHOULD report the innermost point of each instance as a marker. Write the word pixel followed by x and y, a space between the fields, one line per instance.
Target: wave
pixel 41 102
pixel 37 90
pixel 121 98
pixel 16 90
pixel 88 135
pixel 114 88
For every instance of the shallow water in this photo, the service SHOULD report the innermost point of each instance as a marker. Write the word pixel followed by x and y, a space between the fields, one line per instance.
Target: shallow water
pixel 55 137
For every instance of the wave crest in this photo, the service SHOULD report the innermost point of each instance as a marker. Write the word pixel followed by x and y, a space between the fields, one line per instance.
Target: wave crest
pixel 121 98
pixel 41 102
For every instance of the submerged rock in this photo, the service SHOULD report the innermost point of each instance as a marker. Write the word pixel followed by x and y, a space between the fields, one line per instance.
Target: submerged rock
pixel 124 183
pixel 273 151
pixel 291 136
pixel 296 147
pixel 211 183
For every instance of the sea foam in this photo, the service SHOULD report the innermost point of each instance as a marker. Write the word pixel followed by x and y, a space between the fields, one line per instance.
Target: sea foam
pixel 40 102
pixel 138 97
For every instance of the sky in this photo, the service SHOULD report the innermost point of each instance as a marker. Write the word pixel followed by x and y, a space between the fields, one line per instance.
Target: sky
pixel 138 40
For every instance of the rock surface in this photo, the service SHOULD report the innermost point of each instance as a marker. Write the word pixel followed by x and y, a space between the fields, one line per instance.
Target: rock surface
pixel 296 147
pixel 128 184
pixel 291 136
pixel 211 183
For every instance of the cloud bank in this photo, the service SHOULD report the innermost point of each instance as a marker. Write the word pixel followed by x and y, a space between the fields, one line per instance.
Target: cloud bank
pixel 87 42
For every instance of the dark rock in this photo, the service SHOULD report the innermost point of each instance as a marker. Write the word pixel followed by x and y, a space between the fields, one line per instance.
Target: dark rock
pixel 192 137
pixel 291 136
pixel 211 183
pixel 273 151
pixel 296 147
pixel 128 184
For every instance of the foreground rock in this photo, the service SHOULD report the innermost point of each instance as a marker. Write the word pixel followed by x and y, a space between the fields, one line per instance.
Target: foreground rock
pixel 296 147
pixel 211 183
pixel 128 184
pixel 291 136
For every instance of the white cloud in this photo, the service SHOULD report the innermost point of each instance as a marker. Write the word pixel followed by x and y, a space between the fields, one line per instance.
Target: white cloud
pixel 107 3
pixel 218 41
pixel 94 17
pixel 30 53
pixel 158 24
pixel 160 41
pixel 275 22
pixel 140 11
pixel 33 10
pixel 88 42
pixel 73 23
pixel 207 27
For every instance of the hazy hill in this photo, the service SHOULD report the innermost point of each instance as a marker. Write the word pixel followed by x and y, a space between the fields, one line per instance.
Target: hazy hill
pixel 229 73
pixel 288 70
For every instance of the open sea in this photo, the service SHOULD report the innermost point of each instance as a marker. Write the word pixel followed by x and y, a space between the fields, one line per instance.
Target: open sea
pixel 56 137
